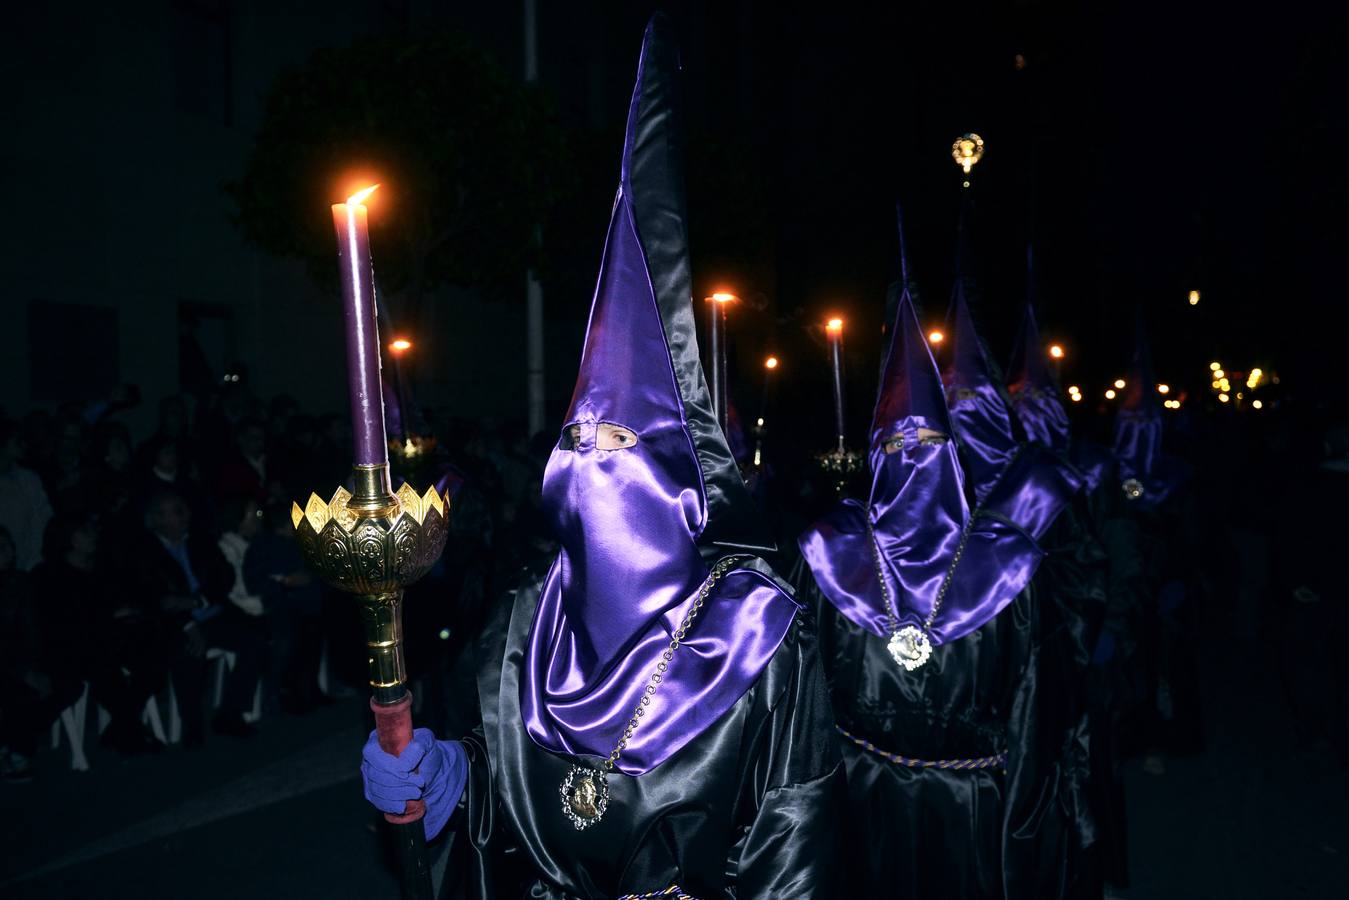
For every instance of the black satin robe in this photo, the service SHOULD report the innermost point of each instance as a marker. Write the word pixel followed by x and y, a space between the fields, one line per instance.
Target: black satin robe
pixel 1014 686
pixel 748 809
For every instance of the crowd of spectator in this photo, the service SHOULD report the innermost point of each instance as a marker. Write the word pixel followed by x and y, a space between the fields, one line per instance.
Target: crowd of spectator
pixel 132 565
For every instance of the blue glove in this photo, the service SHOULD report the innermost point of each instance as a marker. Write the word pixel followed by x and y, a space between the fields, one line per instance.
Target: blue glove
pixel 441 768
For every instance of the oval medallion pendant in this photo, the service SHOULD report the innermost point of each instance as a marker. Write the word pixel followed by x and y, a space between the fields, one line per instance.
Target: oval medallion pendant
pixel 910 647
pixel 585 796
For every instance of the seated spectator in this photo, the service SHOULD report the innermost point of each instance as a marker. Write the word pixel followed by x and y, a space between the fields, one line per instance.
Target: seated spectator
pixel 164 466
pixel 92 634
pixel 293 597
pixel 243 472
pixel 30 697
pixel 64 477
pixel 240 521
pixel 183 578
pixel 173 426
pixel 111 488
pixel 24 508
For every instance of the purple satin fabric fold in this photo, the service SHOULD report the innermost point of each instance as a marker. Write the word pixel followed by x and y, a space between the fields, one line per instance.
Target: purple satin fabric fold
pixel 576 703
pixel 1034 490
pixel 1138 434
pixel 628 520
pixel 983 423
pixel 998 562
pixel 1138 454
pixel 1093 461
pixel 983 426
pixel 1041 415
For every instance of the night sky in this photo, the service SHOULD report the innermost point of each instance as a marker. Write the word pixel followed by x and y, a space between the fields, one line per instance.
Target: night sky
pixel 1144 149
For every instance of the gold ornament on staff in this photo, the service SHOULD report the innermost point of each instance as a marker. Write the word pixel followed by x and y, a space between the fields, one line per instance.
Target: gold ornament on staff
pixel 373 544
pixel 967 150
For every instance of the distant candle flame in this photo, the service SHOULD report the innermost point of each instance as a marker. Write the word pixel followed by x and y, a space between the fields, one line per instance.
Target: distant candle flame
pixel 400 345
pixel 1056 351
pixel 834 326
pixel 771 362
pixel 358 198
pixel 935 337
pixel 723 297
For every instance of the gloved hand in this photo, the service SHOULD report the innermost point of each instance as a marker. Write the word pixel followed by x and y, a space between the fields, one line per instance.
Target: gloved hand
pixel 431 770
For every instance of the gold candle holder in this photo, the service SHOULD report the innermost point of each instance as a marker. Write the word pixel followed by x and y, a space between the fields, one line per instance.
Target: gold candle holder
pixel 374 543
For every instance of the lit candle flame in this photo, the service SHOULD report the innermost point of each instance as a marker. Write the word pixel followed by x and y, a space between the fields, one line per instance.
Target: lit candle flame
pixel 400 345
pixel 1056 351
pixel 834 326
pixel 723 297
pixel 358 198
pixel 935 337
pixel 771 362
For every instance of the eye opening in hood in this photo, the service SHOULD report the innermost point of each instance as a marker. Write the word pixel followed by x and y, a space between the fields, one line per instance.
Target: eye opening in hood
pixel 606 436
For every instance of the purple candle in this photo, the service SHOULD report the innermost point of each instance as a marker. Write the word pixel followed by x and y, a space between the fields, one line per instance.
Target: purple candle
pixel 834 329
pixel 358 304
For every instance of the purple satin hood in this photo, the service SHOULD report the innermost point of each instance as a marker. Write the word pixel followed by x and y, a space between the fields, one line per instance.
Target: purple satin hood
pixel 631 520
pixel 1035 395
pixel 918 513
pixel 979 413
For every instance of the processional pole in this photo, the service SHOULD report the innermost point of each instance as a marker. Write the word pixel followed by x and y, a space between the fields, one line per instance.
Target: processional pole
pixel 373 542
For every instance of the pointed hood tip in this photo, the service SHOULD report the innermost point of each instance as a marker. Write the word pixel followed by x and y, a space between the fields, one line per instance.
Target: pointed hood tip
pixel 1026 367
pixel 651 196
pixel 911 384
pixel 1138 398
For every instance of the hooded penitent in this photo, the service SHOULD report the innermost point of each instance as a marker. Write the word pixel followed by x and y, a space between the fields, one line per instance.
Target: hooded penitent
pixel 979 413
pixel 1035 401
pixel 1033 390
pixel 916 530
pixel 1147 476
pixel 640 524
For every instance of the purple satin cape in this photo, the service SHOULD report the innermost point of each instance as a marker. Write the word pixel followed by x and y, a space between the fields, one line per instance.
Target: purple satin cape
pixel 630 519
pixel 919 513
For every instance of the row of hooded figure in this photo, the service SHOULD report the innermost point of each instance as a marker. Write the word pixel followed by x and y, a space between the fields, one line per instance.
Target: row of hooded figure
pixel 904 715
